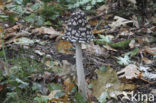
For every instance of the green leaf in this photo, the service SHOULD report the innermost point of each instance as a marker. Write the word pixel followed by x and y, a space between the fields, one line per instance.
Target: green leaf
pixel 93 2
pixel 59 94
pixel 133 52
pixel 36 6
pixel 105 39
pixel 19 2
pixel 54 86
pixel 22 83
pixel 36 86
pixel 103 97
pixel 48 23
pixel 39 20
pixel 42 99
pixel 79 98
pixel 121 45
pixel 88 7
pixel 30 18
pixel 124 60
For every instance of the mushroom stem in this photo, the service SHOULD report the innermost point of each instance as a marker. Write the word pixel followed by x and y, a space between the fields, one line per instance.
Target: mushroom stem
pixel 80 71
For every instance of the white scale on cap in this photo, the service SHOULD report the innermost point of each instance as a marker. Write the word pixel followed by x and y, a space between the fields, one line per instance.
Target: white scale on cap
pixel 78 29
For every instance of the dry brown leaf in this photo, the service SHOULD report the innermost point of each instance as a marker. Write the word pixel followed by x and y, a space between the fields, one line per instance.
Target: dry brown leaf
pixel 2 87
pixel 1 5
pixel 119 22
pixel 135 21
pixel 93 22
pixel 109 48
pixel 130 72
pixel 13 29
pixel 102 9
pixel 132 44
pixel 94 49
pixel 109 83
pixel 147 61
pixel 43 30
pixel 99 31
pixel 149 50
pixel 64 47
pixel 68 85
pixel 68 68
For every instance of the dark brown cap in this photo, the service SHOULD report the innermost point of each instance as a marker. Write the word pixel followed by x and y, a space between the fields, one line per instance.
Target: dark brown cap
pixel 78 29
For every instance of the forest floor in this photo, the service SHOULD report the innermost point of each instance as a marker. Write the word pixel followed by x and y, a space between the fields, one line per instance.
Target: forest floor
pixel 36 66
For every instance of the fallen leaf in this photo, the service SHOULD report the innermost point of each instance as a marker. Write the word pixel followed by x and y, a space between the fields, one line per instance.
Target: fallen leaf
pixel 39 52
pixel 93 22
pixel 1 5
pixel 146 74
pixel 68 68
pixel 130 72
pixel 119 22
pixel 132 44
pixel 125 33
pixel 64 47
pixel 109 48
pixel 99 31
pixel 147 61
pixel 24 41
pixel 149 50
pixel 12 29
pixel 108 83
pixel 94 49
pixel 135 21
pixel 102 9
pixel 124 60
pixel 43 30
pixel 68 85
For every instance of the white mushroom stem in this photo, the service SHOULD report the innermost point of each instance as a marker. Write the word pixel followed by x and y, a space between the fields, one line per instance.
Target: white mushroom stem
pixel 80 71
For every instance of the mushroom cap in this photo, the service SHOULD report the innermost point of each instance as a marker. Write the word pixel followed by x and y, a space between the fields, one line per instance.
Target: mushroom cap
pixel 78 29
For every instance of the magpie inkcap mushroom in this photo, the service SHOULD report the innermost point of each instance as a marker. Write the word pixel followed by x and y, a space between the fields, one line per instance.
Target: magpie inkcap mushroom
pixel 78 29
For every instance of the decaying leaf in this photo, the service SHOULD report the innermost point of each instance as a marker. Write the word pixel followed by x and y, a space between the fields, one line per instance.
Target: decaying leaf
pixel 132 44
pixel 108 85
pixel 149 50
pixel 130 72
pixel 43 30
pixel 93 22
pixel 147 61
pixel 125 33
pixel 24 41
pixel 99 31
pixel 68 68
pixel 146 74
pixel 64 47
pixel 13 29
pixel 119 22
pixel 94 49
pixel 102 9
pixel 68 85
pixel 109 48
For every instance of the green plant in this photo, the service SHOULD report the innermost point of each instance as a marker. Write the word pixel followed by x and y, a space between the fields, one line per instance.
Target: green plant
pixel 41 99
pixel 87 4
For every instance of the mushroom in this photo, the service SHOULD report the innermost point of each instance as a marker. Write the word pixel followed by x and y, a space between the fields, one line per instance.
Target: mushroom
pixel 79 31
